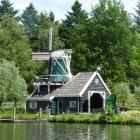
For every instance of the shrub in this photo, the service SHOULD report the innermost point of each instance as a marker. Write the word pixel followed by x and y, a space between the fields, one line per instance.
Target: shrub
pixel 9 109
pixel 108 116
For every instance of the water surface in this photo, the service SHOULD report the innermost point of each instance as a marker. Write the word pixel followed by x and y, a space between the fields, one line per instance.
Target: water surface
pixel 60 131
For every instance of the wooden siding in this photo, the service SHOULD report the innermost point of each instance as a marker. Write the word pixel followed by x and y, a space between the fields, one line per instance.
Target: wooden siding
pixel 40 104
pixel 92 87
pixel 66 103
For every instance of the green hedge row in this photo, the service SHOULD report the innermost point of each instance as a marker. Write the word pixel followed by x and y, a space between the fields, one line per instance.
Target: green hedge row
pixel 9 109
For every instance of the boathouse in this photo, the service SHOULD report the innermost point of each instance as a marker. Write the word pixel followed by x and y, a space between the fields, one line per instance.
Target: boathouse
pixel 61 92
pixel 85 92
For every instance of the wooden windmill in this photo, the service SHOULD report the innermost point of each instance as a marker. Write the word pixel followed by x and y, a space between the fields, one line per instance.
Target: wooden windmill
pixel 59 69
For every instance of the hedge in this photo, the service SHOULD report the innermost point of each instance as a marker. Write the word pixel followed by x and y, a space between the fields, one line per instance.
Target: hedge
pixel 9 109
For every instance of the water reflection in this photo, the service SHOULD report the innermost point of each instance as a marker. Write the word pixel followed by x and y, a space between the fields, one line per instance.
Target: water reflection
pixel 59 131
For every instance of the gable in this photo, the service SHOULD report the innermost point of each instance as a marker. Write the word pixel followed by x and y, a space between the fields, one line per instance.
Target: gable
pixel 96 83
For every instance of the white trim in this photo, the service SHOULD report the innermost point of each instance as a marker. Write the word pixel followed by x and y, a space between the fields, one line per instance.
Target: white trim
pixel 52 97
pixel 90 93
pixel 90 80
pixel 87 84
pixel 33 105
pixel 104 83
pixel 72 104
pixel 58 107
pixel 31 94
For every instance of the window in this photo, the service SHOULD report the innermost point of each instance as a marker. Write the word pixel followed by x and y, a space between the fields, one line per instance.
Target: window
pixel 96 81
pixel 72 104
pixel 33 105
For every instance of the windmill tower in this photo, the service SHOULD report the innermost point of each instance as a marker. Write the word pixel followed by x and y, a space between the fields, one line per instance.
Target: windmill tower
pixel 59 64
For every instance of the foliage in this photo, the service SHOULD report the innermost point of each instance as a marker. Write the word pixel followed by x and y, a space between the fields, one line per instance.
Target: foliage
pixel 6 8
pixel 73 118
pixel 14 46
pixel 30 20
pixel 72 30
pixel 109 115
pixel 9 109
pixel 110 39
pixel 137 17
pixel 52 16
pixel 122 93
pixel 28 117
pixel 82 56
pixel 137 96
pixel 132 117
pixel 12 85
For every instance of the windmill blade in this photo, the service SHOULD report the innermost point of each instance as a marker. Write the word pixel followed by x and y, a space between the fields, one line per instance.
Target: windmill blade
pixel 50 39
pixel 41 56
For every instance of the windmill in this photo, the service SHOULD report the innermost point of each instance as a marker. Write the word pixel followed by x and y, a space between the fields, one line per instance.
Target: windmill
pixel 59 64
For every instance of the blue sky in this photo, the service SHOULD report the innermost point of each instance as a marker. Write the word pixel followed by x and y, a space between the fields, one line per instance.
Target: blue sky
pixel 60 7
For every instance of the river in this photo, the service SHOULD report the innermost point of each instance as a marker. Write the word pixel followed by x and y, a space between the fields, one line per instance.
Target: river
pixel 62 131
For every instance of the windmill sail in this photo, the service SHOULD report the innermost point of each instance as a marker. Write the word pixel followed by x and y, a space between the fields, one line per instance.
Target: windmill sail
pixel 59 69
pixel 50 40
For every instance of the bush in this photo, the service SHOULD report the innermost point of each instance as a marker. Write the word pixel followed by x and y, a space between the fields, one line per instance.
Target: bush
pixel 9 109
pixel 20 110
pixel 108 116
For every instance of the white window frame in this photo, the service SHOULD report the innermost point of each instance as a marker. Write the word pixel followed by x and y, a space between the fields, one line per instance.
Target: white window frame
pixel 33 105
pixel 72 104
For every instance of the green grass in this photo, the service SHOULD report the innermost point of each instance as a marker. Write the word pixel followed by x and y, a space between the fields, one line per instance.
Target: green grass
pixel 24 116
pixel 130 117
pixel 6 116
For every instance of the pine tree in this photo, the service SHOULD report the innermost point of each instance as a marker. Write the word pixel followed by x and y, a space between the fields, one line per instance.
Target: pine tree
pixel 30 20
pixel 72 28
pixel 137 17
pixel 7 8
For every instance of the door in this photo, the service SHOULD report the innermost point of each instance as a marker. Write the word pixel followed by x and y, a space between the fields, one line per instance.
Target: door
pixel 60 107
pixel 96 101
pixel 111 100
pixel 53 108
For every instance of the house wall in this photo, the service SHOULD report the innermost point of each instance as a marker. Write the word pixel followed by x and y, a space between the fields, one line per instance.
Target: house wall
pixel 95 85
pixel 40 104
pixel 66 103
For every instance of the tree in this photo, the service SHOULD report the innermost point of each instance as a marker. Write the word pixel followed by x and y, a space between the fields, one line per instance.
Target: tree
pixel 111 39
pixel 52 16
pixel 72 30
pixel 12 86
pixel 137 17
pixel 7 8
pixel 80 58
pixel 123 92
pixel 30 20
pixel 14 46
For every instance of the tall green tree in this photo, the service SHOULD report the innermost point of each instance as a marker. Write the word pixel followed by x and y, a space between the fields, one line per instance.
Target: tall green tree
pixel 123 92
pixel 12 86
pixel 72 30
pixel 14 46
pixel 6 7
pixel 30 20
pixel 111 39
pixel 52 16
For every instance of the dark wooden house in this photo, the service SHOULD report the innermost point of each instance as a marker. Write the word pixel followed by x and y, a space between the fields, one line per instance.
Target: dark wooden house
pixel 85 92
pixel 62 92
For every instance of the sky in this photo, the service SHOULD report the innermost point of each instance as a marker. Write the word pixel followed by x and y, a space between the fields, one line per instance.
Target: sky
pixel 60 7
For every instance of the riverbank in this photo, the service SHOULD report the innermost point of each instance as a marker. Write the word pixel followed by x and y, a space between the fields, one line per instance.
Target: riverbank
pixel 129 117
pixel 132 117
